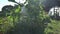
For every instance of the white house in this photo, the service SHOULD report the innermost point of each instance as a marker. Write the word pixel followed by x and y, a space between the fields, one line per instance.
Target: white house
pixel 54 10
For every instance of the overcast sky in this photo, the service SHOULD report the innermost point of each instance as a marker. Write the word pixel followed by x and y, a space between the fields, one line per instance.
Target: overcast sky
pixel 6 2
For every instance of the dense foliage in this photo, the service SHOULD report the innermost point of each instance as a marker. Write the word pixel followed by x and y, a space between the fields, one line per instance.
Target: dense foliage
pixel 36 21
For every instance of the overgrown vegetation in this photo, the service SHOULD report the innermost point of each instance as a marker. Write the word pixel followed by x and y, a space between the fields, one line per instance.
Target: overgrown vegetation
pixel 36 22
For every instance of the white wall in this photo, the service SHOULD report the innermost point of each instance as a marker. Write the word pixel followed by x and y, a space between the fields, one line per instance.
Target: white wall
pixel 51 11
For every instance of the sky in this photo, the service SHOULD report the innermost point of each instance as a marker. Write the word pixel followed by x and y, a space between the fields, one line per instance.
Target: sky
pixel 6 2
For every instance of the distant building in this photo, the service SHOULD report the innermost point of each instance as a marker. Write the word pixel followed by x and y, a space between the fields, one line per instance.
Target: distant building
pixel 54 11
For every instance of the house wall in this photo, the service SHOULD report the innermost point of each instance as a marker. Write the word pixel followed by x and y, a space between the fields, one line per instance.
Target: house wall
pixel 55 10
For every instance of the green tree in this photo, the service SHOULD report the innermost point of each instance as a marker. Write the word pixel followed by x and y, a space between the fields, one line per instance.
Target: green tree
pixel 6 10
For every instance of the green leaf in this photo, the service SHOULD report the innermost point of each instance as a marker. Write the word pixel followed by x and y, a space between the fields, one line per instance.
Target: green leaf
pixel 12 0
